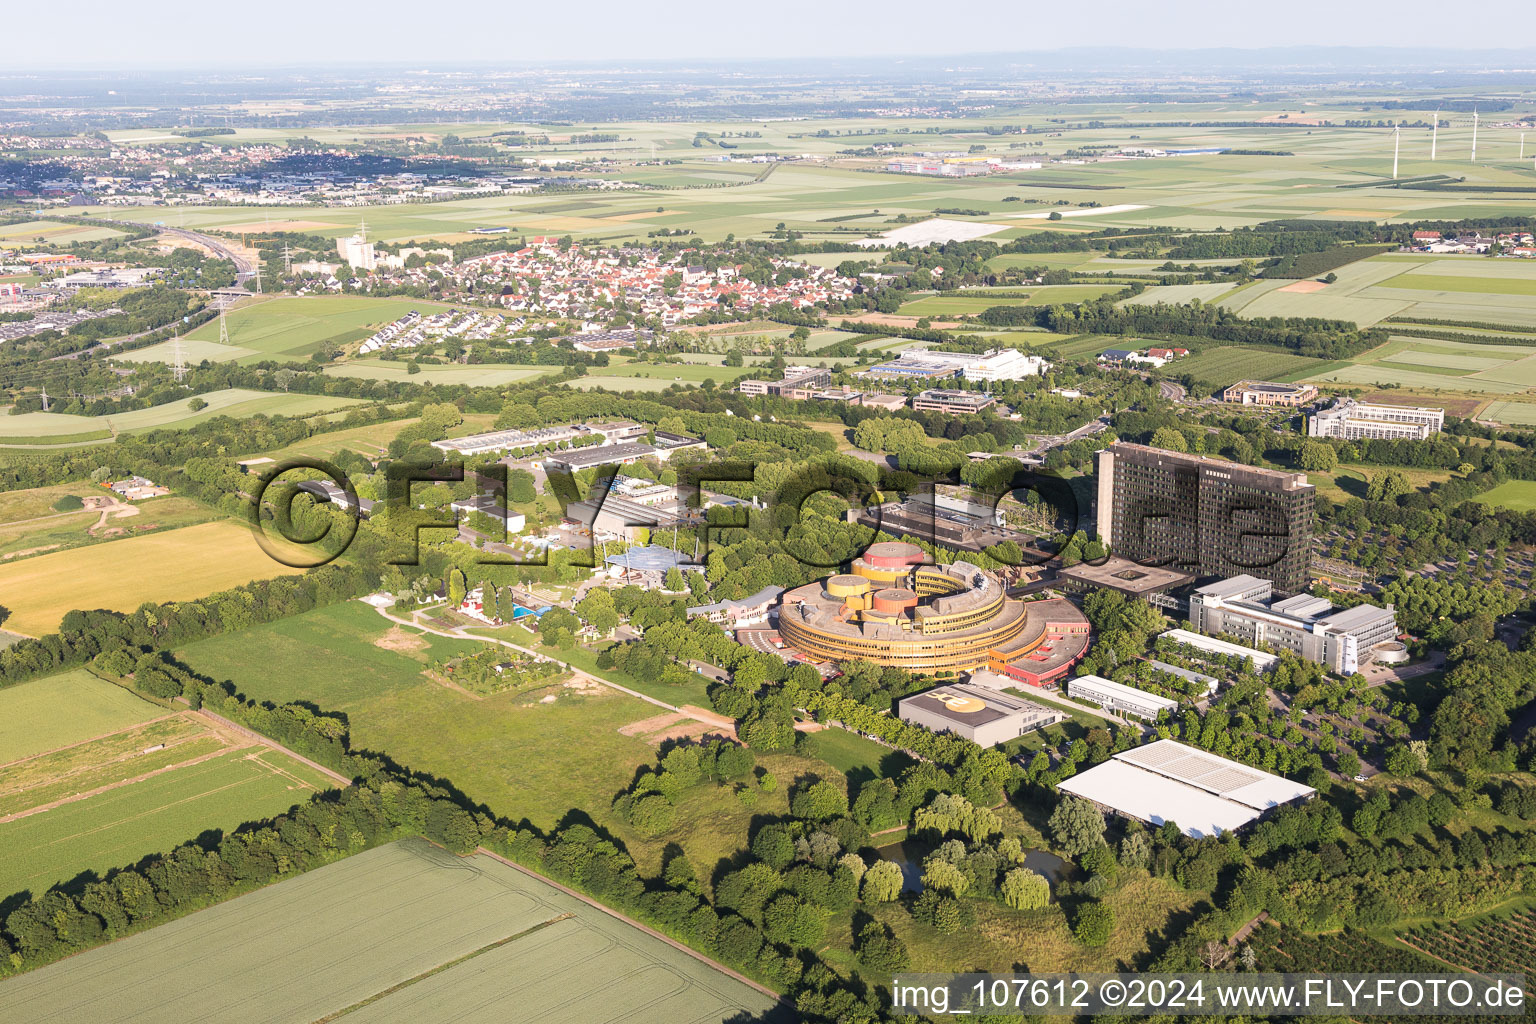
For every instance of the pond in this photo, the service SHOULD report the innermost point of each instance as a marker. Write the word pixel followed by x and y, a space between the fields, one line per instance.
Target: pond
pixel 908 855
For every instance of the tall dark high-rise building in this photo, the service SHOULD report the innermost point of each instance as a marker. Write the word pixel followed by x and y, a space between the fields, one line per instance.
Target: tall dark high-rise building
pixel 1206 516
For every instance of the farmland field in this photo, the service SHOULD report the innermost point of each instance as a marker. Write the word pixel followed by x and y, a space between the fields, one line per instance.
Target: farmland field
pixel 378 929
pixel 472 375
pixel 178 565
pixel 287 329
pixel 383 660
pixel 121 825
pixel 237 402
pixel 1039 295
pixel 54 232
pixel 1520 414
pixel 1179 293
pixel 370 439
pixel 1228 364
pixel 63 709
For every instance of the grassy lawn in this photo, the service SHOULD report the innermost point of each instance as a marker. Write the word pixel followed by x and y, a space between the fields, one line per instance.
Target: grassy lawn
pixel 1518 495
pixel 379 657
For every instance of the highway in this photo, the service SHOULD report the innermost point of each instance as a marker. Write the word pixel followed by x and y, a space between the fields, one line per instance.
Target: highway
pixel 245 269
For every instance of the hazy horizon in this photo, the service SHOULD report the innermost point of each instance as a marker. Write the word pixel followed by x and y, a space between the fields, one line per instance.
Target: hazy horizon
pixel 183 35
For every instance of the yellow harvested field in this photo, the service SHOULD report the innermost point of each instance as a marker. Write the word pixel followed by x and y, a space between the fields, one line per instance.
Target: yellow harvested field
pixel 178 565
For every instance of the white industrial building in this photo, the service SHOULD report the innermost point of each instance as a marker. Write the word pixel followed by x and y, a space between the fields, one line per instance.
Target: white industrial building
pixel 1307 626
pixel 1203 794
pixel 506 440
pixel 996 364
pixel 1119 698
pixel 357 250
pixel 1349 420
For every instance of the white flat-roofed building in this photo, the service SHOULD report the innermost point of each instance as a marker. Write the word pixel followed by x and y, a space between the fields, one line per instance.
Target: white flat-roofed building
pixel 1262 661
pixel 1117 697
pixel 977 713
pixel 603 455
pixel 1307 626
pixel 505 440
pixel 1350 420
pixel 1205 795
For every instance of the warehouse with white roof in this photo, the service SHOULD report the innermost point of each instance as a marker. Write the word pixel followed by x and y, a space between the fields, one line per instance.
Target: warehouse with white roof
pixel 1117 697
pixel 1203 794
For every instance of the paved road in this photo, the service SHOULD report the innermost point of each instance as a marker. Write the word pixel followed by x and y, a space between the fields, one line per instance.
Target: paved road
pixel 1171 391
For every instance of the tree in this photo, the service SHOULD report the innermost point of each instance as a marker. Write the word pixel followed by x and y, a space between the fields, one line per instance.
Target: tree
pixel 819 801
pixel 1077 825
pixel 1388 486
pixel 1093 923
pixel 882 882
pixel 774 845
pixel 1023 889
pixel 1169 439
pixel 880 950
pixel 1317 457
pixel 598 611
pixel 457 586
pixel 489 604
pixel 674 580
pixel 941 875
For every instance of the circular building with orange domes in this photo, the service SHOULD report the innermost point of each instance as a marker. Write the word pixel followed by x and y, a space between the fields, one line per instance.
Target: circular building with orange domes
pixel 895 608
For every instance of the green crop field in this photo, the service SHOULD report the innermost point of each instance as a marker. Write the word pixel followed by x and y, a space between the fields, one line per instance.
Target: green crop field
pixel 236 402
pixel 401 932
pixel 60 710
pixel 178 565
pixel 518 755
pixel 54 232
pixel 1518 495
pixel 1081 346
pixel 123 824
pixel 289 328
pixel 477 375
pixel 1039 295
pixel 370 439
pixel 1520 414
pixel 1227 365
pixel 1493 285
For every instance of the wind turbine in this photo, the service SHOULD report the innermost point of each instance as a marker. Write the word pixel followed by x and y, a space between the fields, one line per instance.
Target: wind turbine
pixel 1474 135
pixel 1397 141
pixel 1434 136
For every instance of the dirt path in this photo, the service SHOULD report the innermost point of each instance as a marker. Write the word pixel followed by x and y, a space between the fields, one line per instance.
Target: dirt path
pixel 712 720
pixel 241 730
pixel 70 746
pixel 76 797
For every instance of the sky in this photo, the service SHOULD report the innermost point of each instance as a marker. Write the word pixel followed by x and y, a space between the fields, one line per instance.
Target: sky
pixel 111 34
